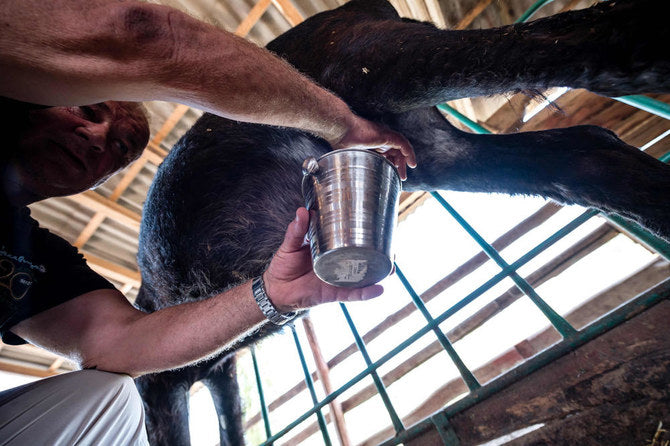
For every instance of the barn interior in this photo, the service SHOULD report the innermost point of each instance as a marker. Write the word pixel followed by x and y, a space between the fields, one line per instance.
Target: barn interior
pixel 606 382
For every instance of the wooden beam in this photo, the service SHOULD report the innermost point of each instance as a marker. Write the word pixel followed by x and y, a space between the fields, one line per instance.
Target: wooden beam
pixel 128 177
pixel 409 202
pixel 112 270
pixel 108 208
pixel 254 15
pixel 152 157
pixel 286 8
pixel 169 124
pixel 472 14
pixel 56 364
pixel 324 377
pixel 24 370
pixel 157 151
pixel 88 231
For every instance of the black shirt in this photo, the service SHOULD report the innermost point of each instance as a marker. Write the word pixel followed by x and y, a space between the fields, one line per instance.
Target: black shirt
pixel 38 269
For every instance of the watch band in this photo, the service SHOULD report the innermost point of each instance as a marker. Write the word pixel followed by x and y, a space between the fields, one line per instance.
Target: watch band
pixel 266 306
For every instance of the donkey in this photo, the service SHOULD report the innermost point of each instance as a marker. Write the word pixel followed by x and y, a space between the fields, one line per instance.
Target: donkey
pixel 220 202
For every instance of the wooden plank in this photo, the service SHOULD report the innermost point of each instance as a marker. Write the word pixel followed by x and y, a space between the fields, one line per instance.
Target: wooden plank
pixel 286 8
pixel 170 123
pixel 88 231
pixel 24 370
pixel 56 364
pixel 128 177
pixel 152 156
pixel 324 377
pixel 156 149
pixel 254 15
pixel 108 208
pixel 112 270
pixel 409 202
pixel 472 14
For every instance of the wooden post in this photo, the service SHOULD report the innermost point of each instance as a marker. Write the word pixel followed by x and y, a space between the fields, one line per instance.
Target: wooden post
pixel 324 377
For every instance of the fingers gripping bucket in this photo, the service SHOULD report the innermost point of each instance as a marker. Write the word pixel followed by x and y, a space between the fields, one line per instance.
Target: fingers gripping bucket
pixel 352 196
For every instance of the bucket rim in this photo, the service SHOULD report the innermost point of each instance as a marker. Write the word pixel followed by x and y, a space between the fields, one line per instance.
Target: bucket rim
pixel 367 151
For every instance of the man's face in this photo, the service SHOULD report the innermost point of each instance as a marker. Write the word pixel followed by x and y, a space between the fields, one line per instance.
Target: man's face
pixel 66 150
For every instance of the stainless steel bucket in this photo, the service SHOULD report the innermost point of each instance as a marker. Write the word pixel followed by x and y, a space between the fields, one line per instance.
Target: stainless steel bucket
pixel 352 196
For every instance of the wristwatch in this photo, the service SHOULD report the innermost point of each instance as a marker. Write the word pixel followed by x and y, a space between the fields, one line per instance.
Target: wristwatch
pixel 266 306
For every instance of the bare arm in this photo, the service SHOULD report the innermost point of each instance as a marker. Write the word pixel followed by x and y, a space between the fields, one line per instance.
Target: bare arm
pixel 75 53
pixel 101 329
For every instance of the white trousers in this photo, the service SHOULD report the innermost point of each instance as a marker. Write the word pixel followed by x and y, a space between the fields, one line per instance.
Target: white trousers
pixel 87 407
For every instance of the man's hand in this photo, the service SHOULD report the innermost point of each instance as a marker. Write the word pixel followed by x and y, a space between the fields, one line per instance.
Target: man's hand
pixel 364 134
pixel 290 281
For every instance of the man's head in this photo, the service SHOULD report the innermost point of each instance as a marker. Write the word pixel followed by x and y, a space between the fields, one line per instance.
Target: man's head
pixel 67 150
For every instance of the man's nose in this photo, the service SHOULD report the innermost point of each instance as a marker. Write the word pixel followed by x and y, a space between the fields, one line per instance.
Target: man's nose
pixel 95 134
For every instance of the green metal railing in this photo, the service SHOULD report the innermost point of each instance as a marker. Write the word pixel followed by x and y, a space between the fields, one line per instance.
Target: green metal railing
pixel 572 338
pixel 261 394
pixel 310 386
pixel 466 374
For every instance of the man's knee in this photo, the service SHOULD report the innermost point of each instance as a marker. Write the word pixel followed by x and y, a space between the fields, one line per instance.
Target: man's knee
pixel 99 382
pixel 112 388
pixel 94 408
pixel 117 405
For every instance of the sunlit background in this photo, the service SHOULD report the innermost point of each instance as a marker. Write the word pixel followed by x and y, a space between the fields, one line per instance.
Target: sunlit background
pixel 429 244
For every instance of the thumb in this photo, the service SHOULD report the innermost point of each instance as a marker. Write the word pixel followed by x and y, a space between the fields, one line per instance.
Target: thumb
pixel 295 233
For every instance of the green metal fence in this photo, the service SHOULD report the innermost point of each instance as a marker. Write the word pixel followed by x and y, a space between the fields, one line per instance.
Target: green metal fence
pixel 572 337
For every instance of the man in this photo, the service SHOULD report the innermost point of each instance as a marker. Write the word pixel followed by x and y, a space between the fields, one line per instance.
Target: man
pixel 72 53
pixel 59 53
pixel 51 299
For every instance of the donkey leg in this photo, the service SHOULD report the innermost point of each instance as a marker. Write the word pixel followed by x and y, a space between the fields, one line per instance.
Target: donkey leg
pixel 165 397
pixel 222 384
pixel 397 65
pixel 583 165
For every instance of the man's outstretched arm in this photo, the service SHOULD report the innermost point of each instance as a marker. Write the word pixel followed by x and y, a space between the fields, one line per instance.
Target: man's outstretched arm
pixel 101 329
pixel 73 53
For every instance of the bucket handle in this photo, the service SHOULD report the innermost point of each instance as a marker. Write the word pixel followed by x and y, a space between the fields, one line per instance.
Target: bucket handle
pixel 310 167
